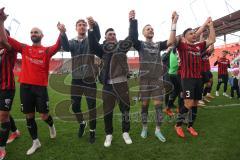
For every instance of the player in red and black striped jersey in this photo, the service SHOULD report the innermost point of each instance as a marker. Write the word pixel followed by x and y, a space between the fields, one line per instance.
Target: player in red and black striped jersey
pixel 7 62
pixel 206 73
pixel 33 78
pixel 191 66
pixel 7 92
pixel 223 65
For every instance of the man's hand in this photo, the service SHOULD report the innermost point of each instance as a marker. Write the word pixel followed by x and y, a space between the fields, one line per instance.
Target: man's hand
pixel 210 22
pixel 61 28
pixel 91 22
pixel 3 16
pixel 174 17
pixel 132 15
pixel 207 21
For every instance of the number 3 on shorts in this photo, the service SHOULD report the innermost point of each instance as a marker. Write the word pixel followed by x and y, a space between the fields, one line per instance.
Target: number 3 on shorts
pixel 187 94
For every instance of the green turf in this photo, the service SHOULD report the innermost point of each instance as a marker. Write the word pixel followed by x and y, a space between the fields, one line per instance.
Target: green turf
pixel 218 127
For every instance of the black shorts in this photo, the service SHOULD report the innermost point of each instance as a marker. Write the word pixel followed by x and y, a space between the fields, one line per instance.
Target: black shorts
pixel 206 76
pixel 192 88
pixel 6 99
pixel 34 98
pixel 223 78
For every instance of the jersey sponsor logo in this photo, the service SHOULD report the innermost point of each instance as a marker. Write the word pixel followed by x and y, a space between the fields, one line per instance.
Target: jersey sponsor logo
pixel 151 48
pixel 35 61
pixel 194 53
pixel 224 62
pixel 41 51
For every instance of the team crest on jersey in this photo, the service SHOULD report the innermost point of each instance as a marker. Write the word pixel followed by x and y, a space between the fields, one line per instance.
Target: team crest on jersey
pixel 198 48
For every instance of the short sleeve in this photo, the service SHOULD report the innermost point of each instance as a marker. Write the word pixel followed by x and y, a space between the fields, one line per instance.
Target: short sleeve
pixel 163 45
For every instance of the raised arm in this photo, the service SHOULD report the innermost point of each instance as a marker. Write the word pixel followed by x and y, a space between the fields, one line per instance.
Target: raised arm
pixel 212 36
pixel 133 30
pixel 96 31
pixel 51 50
pixel 202 28
pixel 6 41
pixel 63 36
pixel 211 48
pixel 93 38
pixel 3 36
pixel 172 37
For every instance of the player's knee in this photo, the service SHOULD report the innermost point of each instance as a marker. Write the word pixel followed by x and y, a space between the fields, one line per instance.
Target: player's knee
pixel 209 84
pixel 44 116
pixel 4 116
pixel 157 102
pixel 30 115
pixel 145 103
pixel 188 103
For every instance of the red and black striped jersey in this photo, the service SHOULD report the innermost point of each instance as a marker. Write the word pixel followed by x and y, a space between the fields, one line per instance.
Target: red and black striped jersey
pixel 205 61
pixel 7 62
pixel 223 65
pixel 191 59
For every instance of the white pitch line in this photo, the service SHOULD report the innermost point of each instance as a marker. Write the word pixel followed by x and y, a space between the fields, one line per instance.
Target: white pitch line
pixel 119 114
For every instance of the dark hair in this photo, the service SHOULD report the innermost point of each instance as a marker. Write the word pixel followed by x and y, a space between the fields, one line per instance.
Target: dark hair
pixel 7 31
pixel 80 20
pixel 108 30
pixel 187 30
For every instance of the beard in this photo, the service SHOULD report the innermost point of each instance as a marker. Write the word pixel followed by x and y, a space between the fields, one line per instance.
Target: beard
pixel 36 39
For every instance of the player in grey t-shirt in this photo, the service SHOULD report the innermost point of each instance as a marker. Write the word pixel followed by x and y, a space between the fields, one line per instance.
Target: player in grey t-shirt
pixel 151 72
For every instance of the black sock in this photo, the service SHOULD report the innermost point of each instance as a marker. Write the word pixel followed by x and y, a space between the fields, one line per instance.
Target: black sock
pixel 144 114
pixel 225 87
pixel 159 115
pixel 32 128
pixel 49 121
pixel 181 115
pixel 13 125
pixel 192 116
pixel 4 132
